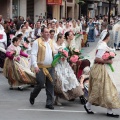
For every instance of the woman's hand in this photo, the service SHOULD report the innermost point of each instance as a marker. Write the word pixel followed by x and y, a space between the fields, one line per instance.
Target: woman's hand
pixel 16 59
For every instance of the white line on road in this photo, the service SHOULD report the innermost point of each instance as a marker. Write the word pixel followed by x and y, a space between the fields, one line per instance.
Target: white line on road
pixel 44 110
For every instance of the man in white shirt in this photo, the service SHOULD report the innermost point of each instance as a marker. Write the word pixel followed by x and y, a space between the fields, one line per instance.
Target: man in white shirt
pixel 41 58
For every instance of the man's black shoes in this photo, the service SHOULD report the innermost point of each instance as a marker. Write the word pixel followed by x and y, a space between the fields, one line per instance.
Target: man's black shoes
pixel 50 107
pixel 32 100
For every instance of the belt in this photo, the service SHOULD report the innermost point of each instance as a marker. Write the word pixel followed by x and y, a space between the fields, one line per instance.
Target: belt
pixel 45 71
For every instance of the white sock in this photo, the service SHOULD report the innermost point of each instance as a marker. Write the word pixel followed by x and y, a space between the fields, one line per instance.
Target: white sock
pixel 88 105
pixel 109 111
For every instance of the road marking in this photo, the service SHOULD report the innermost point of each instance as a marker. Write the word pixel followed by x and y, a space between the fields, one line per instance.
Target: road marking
pixel 45 110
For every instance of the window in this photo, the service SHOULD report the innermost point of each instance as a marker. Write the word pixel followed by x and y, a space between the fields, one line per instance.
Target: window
pixel 70 1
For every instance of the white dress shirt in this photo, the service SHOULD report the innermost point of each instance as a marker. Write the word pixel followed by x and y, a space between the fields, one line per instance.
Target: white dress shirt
pixel 48 54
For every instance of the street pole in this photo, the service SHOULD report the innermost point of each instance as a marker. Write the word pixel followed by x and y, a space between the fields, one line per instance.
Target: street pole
pixel 86 12
pixel 65 10
pixel 98 11
pixel 79 11
pixel 109 11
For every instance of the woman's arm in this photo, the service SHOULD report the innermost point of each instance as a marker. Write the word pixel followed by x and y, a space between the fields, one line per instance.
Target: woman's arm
pixel 99 60
pixel 10 56
pixel 23 54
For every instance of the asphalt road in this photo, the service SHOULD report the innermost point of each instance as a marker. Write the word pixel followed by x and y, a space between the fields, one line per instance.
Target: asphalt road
pixel 14 105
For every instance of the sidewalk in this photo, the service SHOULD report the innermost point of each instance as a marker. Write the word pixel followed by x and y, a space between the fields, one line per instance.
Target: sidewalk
pixel 92 45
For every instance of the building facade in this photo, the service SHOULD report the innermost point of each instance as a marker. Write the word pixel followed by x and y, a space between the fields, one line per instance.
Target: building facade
pixel 56 9
pixel 36 8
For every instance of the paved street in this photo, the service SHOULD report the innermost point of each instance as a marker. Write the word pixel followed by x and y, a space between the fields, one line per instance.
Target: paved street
pixel 14 105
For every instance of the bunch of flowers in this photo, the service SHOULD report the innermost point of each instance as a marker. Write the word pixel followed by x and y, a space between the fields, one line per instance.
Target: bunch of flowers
pixel 109 56
pixel 13 53
pixel 62 55
pixel 24 46
pixel 74 55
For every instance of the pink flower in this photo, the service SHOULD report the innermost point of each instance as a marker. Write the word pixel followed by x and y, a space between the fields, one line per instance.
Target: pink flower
pixel 74 58
pixel 112 54
pixel 65 53
pixel 13 53
pixel 76 50
pixel 25 45
pixel 106 56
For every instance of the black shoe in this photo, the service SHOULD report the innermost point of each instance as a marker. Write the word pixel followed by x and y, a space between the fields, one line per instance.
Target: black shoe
pixel 113 115
pixel 71 100
pixel 50 107
pixel 88 110
pixel 32 100
pixel 20 88
pixel 83 100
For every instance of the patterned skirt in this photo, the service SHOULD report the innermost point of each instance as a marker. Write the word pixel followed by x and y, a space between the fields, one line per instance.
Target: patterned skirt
pixel 102 91
pixel 17 74
pixel 70 94
pixel 66 83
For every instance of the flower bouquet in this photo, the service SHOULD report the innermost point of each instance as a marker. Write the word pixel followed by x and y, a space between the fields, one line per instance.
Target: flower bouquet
pixel 74 55
pixel 13 53
pixel 109 56
pixel 62 55
pixel 24 46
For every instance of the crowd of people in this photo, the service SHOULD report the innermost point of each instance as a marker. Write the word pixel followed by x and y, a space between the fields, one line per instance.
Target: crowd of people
pixel 48 54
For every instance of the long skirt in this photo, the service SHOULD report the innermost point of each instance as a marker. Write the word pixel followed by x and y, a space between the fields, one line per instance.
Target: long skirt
pixel 66 83
pixel 78 42
pixel 17 74
pixel 102 91
pixel 91 36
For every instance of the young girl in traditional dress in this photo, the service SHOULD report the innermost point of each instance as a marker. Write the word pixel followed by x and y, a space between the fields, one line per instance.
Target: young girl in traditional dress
pixel 102 91
pixel 16 67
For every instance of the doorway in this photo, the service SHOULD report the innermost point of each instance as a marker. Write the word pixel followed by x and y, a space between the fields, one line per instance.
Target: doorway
pixel 69 12
pixel 30 9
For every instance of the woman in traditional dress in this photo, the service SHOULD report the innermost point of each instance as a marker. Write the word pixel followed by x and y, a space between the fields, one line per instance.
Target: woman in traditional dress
pixel 78 35
pixel 102 91
pixel 3 45
pixel 16 67
pixel 66 83
pixel 116 37
pixel 91 31
pixel 70 41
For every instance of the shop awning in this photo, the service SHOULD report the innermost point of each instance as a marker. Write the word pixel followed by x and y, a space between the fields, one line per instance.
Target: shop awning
pixel 54 2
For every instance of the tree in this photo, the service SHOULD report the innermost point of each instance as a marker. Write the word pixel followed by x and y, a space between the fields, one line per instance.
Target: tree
pixel 80 2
